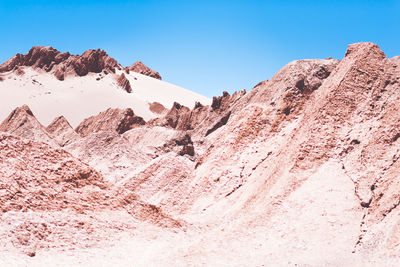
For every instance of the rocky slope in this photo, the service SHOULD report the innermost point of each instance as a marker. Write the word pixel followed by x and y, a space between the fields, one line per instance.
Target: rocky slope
pixel 23 123
pixel 300 171
pixel 50 199
pixel 61 131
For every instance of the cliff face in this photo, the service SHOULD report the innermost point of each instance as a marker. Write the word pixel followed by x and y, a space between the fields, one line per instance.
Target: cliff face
pixel 303 168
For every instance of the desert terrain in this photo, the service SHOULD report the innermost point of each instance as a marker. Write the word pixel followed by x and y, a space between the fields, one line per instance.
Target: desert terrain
pixel 105 165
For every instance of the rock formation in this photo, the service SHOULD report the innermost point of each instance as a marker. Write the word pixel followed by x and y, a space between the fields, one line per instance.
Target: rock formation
pixel 112 119
pixel 23 123
pixel 157 108
pixel 302 170
pixel 124 83
pixel 62 64
pixel 61 131
pixel 53 195
pixel 139 67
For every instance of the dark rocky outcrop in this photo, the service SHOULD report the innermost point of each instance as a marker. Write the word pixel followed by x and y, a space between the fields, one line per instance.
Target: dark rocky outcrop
pixel 120 120
pixel 62 64
pixel 139 67
pixel 124 83
pixel 157 108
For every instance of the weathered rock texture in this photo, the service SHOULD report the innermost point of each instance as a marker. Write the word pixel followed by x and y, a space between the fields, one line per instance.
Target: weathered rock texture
pixel 157 108
pixel 302 170
pixel 139 67
pixel 124 83
pixel 50 199
pixel 23 123
pixel 112 119
pixel 61 131
pixel 64 64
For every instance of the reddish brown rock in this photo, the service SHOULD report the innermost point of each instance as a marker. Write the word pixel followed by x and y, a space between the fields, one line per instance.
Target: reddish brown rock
pixel 221 122
pixel 202 120
pixel 218 101
pixel 124 83
pixel 118 120
pixel 26 166
pixel 22 122
pixel 157 108
pixel 198 105
pixel 62 64
pixel 139 67
pixel 61 131
pixel 304 166
pixel 177 114
pixel 95 61
pixel 186 142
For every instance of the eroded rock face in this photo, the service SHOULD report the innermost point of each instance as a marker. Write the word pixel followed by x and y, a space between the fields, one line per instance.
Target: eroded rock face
pixel 35 160
pixel 139 67
pixel 201 120
pixel 112 119
pixel 124 83
pixel 61 131
pixel 157 108
pixel 22 122
pixel 63 64
pixel 49 199
pixel 304 166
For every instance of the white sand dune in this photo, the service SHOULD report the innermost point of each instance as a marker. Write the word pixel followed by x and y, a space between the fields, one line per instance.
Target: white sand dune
pixel 77 98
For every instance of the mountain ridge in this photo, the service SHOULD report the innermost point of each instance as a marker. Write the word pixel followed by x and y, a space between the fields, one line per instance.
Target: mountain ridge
pixel 65 64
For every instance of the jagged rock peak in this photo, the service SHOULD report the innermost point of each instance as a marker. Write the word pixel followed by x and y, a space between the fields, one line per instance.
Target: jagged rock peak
pixel 62 64
pixel 364 49
pixel 139 67
pixel 216 103
pixel 119 120
pixel 56 123
pixel 23 110
pixel 61 131
pixel 124 83
pixel 23 123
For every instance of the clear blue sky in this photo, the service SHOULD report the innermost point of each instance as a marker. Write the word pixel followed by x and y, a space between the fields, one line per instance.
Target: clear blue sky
pixel 205 46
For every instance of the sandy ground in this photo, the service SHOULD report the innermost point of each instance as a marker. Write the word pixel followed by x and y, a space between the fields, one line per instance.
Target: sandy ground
pixel 77 98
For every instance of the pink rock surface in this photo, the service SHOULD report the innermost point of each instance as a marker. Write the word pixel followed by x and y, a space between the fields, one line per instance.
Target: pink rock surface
pixel 112 119
pixel 302 170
